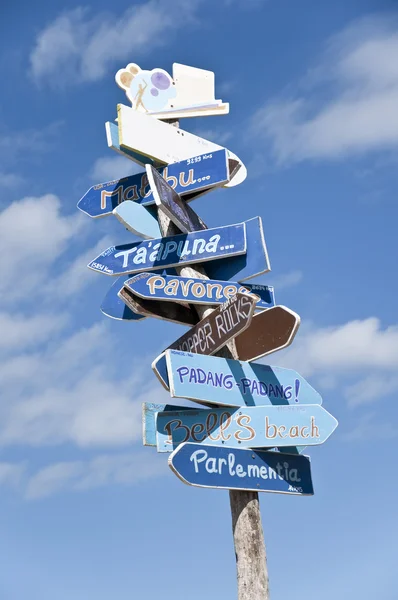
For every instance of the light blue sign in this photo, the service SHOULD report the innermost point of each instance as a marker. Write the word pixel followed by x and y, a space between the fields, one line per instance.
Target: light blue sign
pixel 188 178
pixel 198 246
pixel 138 219
pixel 229 382
pixel 241 469
pixel 149 410
pixel 246 427
pixel 112 306
pixel 196 291
pixel 239 268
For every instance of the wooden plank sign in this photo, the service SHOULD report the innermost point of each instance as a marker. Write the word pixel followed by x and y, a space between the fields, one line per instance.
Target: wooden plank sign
pixel 196 291
pixel 270 330
pixel 170 203
pixel 142 133
pixel 166 312
pixel 222 325
pixel 241 469
pixel 229 382
pixel 137 219
pixel 246 427
pixel 199 246
pixel 189 178
pixel 149 410
pixel 112 138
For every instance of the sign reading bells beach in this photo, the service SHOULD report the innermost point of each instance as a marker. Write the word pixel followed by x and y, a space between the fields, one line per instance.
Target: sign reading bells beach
pixel 254 420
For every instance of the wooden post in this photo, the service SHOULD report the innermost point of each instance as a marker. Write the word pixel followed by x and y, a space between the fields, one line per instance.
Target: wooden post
pixel 250 554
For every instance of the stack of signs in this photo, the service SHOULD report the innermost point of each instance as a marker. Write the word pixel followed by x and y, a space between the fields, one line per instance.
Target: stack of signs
pixel 255 419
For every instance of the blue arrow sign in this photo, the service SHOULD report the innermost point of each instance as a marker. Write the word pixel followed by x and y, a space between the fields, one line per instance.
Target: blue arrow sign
pixel 196 291
pixel 239 268
pixel 112 306
pixel 189 178
pixel 199 246
pixel 138 219
pixel 149 410
pixel 240 469
pixel 246 427
pixel 229 382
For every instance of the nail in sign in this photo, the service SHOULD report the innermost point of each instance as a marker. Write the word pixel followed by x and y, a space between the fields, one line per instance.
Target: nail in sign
pixel 223 324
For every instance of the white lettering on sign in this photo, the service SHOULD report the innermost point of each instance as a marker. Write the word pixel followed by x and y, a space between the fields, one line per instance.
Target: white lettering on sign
pixel 202 462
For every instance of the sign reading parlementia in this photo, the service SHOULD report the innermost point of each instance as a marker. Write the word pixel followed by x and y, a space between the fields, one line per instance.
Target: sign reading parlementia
pixel 196 291
pixel 246 427
pixel 229 382
pixel 241 469
pixel 199 246
pixel 195 174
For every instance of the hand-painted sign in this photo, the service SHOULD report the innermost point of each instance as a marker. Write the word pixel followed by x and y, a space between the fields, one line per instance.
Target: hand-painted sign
pixel 220 326
pixel 145 135
pixel 159 310
pixel 149 410
pixel 269 331
pixel 189 178
pixel 199 246
pixel 196 291
pixel 137 219
pixel 159 367
pixel 112 306
pixel 112 138
pixel 241 469
pixel 246 427
pixel 171 204
pixel 154 92
pixel 229 382
pixel 239 268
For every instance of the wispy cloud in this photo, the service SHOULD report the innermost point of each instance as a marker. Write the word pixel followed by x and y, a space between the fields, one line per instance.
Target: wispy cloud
pixel 80 46
pixel 286 280
pixel 347 104
pixel 108 168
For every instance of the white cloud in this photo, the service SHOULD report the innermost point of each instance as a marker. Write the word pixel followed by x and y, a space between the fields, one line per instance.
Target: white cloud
pixel 214 135
pixel 78 46
pixel 115 167
pixel 349 106
pixel 287 280
pixel 122 469
pixel 11 473
pixel 19 331
pixel 10 180
pixel 33 234
pixel 369 427
pixel 373 387
pixel 352 347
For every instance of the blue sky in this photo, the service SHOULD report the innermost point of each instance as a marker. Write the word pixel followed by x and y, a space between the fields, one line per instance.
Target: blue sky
pixel 85 510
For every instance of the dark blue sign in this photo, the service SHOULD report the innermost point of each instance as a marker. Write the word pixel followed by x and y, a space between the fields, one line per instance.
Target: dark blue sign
pixel 199 246
pixel 241 469
pixel 192 175
pixel 196 291
pixel 112 306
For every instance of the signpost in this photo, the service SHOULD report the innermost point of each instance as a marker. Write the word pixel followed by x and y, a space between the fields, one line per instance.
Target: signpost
pixel 246 427
pixel 172 205
pixel 250 406
pixel 228 382
pixel 215 330
pixel 236 469
pixel 196 291
pixel 190 178
pixel 199 246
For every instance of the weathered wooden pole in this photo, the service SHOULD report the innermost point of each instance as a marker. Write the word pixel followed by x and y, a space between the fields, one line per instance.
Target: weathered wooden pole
pixel 250 553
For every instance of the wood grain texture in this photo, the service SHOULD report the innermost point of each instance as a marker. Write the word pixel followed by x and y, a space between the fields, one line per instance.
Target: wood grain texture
pixel 250 553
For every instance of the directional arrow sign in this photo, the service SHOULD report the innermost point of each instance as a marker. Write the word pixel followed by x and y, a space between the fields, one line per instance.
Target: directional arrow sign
pixel 112 138
pixel 189 178
pixel 143 134
pixel 199 246
pixel 236 469
pixel 196 291
pixel 228 382
pixel 269 331
pixel 246 427
pixel 149 410
pixel 150 308
pixel 171 204
pixel 137 219
pixel 220 326
pixel 112 306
